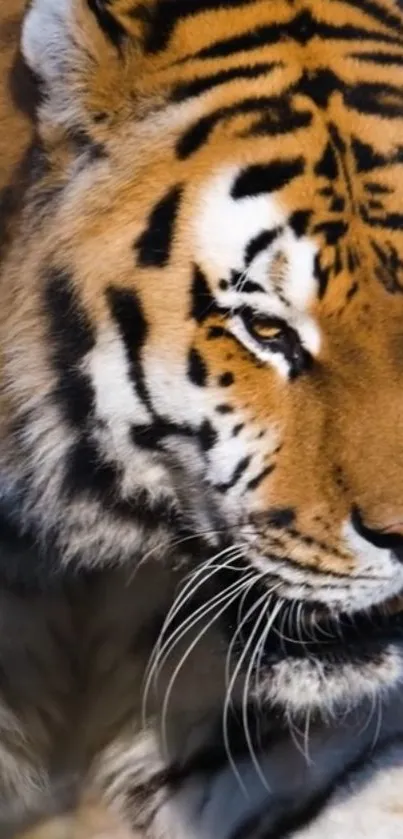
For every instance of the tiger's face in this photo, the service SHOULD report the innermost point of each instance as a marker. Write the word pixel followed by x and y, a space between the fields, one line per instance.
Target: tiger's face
pixel 203 327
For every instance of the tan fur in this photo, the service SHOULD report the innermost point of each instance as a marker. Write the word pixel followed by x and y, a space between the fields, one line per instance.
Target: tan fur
pixel 91 822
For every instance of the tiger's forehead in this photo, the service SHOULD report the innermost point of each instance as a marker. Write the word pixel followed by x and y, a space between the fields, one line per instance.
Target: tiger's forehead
pixel 239 228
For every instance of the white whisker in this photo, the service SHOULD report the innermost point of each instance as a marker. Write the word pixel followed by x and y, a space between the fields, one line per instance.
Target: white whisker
pixel 208 569
pixel 255 579
pixel 378 703
pixel 228 600
pixel 235 552
pixel 194 618
pixel 235 674
pixel 262 643
pixel 186 626
pixel 270 621
pixel 306 737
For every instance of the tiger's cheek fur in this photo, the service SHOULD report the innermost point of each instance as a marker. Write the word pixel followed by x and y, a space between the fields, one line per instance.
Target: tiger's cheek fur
pixel 276 439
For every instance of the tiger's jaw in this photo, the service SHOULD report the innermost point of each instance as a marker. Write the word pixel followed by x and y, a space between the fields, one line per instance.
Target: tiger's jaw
pixel 361 656
pixel 304 658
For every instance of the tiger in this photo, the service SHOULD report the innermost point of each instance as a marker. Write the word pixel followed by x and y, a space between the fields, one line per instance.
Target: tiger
pixel 200 429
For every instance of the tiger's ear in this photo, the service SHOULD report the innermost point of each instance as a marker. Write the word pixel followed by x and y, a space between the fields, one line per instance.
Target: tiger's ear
pixel 76 49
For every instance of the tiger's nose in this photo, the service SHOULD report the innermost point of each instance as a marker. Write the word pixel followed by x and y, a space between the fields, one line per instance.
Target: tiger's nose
pixel 384 531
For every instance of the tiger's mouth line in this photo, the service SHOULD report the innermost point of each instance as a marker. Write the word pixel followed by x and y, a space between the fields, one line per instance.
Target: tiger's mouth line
pixel 311 630
pixel 296 627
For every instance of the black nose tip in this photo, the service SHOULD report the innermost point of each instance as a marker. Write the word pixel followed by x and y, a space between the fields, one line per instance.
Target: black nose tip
pixel 392 541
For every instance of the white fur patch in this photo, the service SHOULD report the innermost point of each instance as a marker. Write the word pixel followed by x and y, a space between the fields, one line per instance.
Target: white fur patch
pixel 56 49
pixel 223 228
pixel 116 400
pixel 370 805
pixel 376 577
pixel 119 407
pixel 45 40
pixel 306 684
pixel 378 572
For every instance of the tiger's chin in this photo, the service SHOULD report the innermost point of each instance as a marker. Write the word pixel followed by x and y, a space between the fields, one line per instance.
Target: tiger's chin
pixel 345 661
pixel 311 660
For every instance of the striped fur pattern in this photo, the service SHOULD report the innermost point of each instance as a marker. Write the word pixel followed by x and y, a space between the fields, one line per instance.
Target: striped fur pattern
pixel 201 386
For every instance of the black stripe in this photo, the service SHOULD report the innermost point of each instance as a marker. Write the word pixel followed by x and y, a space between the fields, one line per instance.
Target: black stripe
pixel 332 231
pixel 377 189
pixel 269 177
pixel 197 368
pixel 248 286
pixel 198 133
pixel 260 243
pixel 354 288
pixel 108 23
pixel 71 336
pixel 299 222
pixel 279 119
pixel 379 13
pixel 168 13
pixel 88 475
pixel 245 42
pixel 292 820
pixel 389 268
pixel 301 29
pixel 281 517
pixel 322 274
pixel 203 303
pixel 366 159
pixel 151 436
pixel 155 244
pixel 382 100
pixel 226 379
pixel 391 221
pixel 267 35
pixel 383 58
pixel 126 310
pixel 348 32
pixel 195 87
pixel 319 85
pixel 239 470
pixel 225 409
pixel 212 757
pixel 207 435
pixel 83 143
pixel 255 482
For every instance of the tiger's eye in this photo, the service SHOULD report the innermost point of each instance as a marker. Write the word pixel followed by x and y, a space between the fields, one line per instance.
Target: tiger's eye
pixel 265 331
pixel 277 336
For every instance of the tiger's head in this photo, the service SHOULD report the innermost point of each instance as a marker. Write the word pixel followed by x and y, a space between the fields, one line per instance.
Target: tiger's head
pixel 202 306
